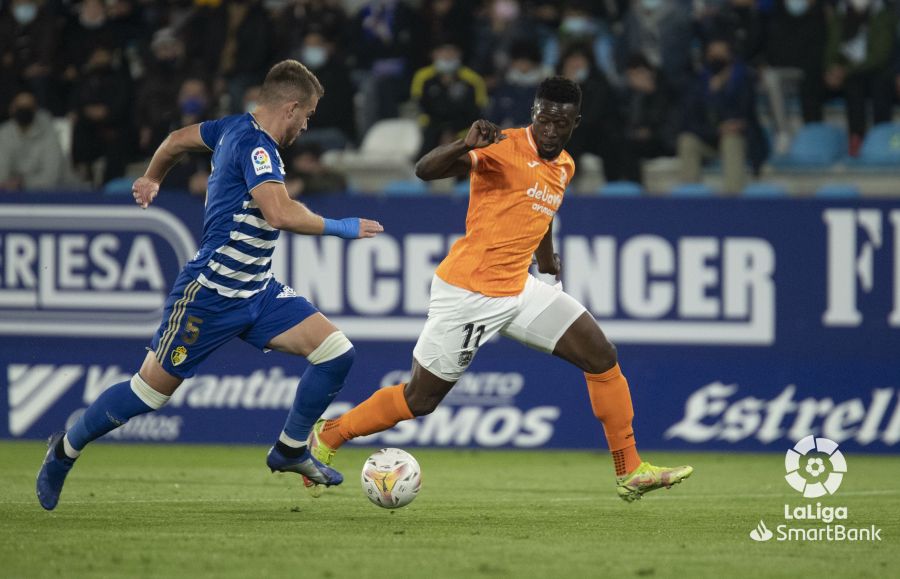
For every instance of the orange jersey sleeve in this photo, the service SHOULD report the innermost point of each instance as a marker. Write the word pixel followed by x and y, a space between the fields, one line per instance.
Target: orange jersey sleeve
pixel 513 196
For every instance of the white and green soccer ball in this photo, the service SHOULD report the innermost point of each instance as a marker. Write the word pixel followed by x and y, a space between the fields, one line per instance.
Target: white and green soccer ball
pixel 391 478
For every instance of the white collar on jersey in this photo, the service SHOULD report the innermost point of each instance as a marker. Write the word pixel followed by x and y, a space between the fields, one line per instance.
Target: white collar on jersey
pixel 260 127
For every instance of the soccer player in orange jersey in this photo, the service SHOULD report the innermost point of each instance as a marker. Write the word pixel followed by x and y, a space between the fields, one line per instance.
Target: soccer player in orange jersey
pixel 518 181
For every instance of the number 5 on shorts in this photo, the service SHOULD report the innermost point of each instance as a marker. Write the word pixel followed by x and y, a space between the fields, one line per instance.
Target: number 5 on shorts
pixel 191 330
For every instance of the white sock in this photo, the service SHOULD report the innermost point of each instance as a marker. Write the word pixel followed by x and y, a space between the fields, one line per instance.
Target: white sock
pixel 287 440
pixel 69 449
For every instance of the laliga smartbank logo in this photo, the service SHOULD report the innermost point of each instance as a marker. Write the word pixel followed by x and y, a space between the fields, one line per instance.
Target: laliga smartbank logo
pixel 809 457
pixel 815 468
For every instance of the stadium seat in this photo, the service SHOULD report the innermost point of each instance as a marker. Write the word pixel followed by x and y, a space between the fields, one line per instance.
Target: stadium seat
pixel 63 127
pixel 118 186
pixel 393 137
pixel 409 187
pixel 881 147
pixel 621 189
pixel 765 189
pixel 461 189
pixel 692 190
pixel 816 145
pixel 385 155
pixel 838 190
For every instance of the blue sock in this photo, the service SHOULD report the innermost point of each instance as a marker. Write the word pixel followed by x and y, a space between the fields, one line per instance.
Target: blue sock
pixel 319 385
pixel 116 406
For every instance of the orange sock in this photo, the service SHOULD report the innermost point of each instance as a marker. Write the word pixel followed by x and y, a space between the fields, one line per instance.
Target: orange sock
pixel 611 402
pixel 380 411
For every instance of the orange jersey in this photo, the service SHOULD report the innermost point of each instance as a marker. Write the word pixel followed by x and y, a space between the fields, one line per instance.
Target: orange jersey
pixel 514 194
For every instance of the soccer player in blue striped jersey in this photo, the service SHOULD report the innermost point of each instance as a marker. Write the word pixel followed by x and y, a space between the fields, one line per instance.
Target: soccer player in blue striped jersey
pixel 227 290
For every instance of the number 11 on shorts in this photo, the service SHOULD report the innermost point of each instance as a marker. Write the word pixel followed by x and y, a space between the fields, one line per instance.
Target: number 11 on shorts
pixel 468 330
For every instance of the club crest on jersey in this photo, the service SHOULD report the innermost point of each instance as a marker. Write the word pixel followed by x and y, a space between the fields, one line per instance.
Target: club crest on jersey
pixel 179 355
pixel 262 163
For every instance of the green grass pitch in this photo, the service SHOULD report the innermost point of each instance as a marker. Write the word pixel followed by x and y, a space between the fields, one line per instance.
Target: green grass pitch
pixel 216 511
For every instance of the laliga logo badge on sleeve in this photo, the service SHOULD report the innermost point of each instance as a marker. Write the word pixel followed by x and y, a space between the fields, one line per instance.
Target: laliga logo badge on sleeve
pixel 262 163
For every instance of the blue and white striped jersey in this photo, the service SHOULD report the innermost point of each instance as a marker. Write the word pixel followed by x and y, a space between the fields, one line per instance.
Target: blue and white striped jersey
pixel 237 245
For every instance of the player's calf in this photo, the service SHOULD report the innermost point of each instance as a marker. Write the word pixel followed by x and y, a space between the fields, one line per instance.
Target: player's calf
pixel 116 406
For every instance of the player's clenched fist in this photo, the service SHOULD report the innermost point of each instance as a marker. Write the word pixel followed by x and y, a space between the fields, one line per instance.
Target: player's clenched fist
pixel 483 133
pixel 144 191
pixel 369 228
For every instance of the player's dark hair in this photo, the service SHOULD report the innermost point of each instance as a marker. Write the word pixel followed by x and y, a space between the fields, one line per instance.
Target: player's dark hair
pixel 559 89
pixel 289 80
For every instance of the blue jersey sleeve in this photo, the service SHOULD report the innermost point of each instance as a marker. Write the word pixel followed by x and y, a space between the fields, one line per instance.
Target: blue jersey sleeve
pixel 260 162
pixel 210 131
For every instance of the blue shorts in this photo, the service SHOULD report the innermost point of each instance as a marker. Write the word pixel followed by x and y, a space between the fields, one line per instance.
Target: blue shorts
pixel 197 320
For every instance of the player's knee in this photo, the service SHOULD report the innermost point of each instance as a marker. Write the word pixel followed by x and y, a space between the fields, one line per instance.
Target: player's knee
pixel 335 354
pixel 600 358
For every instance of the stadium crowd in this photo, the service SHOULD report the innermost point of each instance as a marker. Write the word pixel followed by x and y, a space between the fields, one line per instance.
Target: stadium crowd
pixel 696 79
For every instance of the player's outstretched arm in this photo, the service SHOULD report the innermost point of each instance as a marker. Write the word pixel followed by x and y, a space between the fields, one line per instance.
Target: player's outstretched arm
pixel 282 212
pixel 167 155
pixel 452 159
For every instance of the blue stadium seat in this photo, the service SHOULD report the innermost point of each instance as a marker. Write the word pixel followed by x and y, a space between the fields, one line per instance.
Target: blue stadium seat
pixel 881 147
pixel 461 189
pixel 118 186
pixel 406 187
pixel 816 145
pixel 838 190
pixel 765 189
pixel 621 189
pixel 692 190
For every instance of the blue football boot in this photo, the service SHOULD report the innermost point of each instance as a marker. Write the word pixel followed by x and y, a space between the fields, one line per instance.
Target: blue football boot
pixel 306 466
pixel 53 473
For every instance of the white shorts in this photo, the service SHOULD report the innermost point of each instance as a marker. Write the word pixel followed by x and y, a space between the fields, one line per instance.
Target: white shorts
pixel 460 321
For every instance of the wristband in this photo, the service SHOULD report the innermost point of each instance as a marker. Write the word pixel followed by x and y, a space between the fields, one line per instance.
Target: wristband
pixel 347 228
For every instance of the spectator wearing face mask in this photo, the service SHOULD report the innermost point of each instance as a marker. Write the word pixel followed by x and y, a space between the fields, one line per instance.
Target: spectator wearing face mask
pixel 512 99
pixel 600 131
pixel 28 46
pixel 580 26
pixel 192 172
pixel 450 96
pixel 335 125
pixel 794 56
pixel 720 119
pixel 858 62
pixel 662 31
pixel 299 18
pixel 30 154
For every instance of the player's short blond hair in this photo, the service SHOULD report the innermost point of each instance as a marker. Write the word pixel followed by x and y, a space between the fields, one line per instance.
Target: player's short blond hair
pixel 290 80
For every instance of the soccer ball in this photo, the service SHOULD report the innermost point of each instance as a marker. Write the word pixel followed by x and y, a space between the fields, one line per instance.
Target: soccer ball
pixel 391 478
